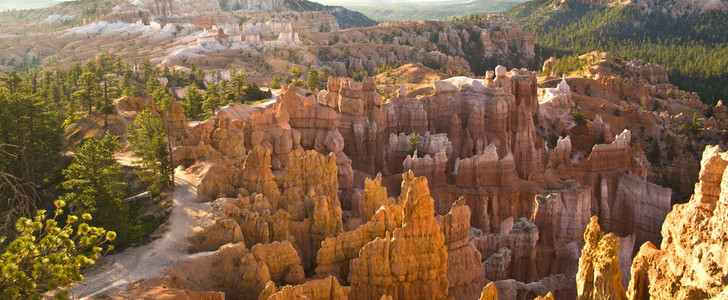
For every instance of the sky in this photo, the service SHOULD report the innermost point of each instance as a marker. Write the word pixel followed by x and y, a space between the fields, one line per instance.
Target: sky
pixel 25 4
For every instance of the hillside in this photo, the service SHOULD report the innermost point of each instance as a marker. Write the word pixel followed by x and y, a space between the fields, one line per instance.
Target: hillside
pixel 691 45
pixel 346 18
pixel 389 11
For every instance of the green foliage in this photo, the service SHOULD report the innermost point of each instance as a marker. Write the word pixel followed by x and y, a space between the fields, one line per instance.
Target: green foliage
pixel 89 92
pixel 295 72
pixel 567 64
pixel 276 82
pixel 197 76
pixel 693 127
pixel 253 93
pixel 414 144
pixel 674 42
pixel 578 116
pixel 161 97
pixel 148 136
pixel 33 125
pixel 239 81
pixel 95 183
pixel 212 100
pixel 147 70
pixel 48 256
pixel 359 76
pixel 387 68
pixel 654 154
pixel 313 79
pixel 127 88
pixel 193 102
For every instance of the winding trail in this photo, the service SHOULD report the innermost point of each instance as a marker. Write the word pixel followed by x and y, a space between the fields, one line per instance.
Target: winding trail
pixel 119 270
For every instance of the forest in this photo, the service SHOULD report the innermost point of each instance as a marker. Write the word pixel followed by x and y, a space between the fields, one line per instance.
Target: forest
pixel 68 201
pixel 693 48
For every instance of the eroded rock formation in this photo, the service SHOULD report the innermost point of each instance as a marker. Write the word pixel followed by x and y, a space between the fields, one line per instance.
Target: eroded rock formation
pixel 599 276
pixel 411 262
pixel 691 261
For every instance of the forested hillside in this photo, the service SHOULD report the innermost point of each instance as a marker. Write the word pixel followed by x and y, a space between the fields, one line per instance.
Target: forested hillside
pixel 693 48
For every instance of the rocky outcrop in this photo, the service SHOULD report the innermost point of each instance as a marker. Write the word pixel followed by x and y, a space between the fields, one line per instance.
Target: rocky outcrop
pixel 558 286
pixel 411 262
pixel 446 45
pixel 599 276
pixel 485 170
pixel 561 218
pixel 336 253
pixel 489 292
pixel 520 238
pixel 314 126
pixel 463 261
pixel 174 119
pixel 361 121
pixel 321 289
pixel 691 261
pixel 374 197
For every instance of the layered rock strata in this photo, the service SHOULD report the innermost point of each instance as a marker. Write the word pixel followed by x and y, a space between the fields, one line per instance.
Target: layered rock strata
pixel 411 262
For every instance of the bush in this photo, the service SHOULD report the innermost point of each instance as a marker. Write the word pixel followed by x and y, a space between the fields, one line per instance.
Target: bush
pixel 579 117
pixel 48 256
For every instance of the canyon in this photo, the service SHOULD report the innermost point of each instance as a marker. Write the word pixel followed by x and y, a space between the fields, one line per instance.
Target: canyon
pixel 430 160
pixel 456 192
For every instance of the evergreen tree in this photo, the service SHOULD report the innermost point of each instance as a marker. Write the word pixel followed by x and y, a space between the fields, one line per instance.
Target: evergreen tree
pixel 276 82
pixel 110 91
pixel 127 88
pixel 239 81
pixel 313 80
pixel 193 102
pixel 414 144
pixel 197 76
pixel 147 70
pixel 295 72
pixel 96 185
pixel 31 125
pixel 89 91
pixel 47 257
pixel 212 100
pixel 148 136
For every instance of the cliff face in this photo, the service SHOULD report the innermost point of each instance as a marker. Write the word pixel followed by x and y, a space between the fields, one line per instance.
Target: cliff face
pixel 411 262
pixel 691 261
pixel 464 272
pixel 599 276
pixel 445 45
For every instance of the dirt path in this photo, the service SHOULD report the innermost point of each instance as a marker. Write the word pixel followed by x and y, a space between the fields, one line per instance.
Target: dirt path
pixel 119 270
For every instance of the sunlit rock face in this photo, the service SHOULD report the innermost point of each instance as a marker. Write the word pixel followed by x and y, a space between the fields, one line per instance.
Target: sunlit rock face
pixel 691 261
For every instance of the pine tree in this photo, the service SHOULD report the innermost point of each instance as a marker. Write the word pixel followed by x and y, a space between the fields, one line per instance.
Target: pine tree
pixel 96 185
pixel 414 144
pixel 193 102
pixel 239 81
pixel 212 100
pixel 127 88
pixel 148 136
pixel 295 72
pixel 276 83
pixel 47 257
pixel 147 70
pixel 110 91
pixel 313 80
pixel 89 91
pixel 32 126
